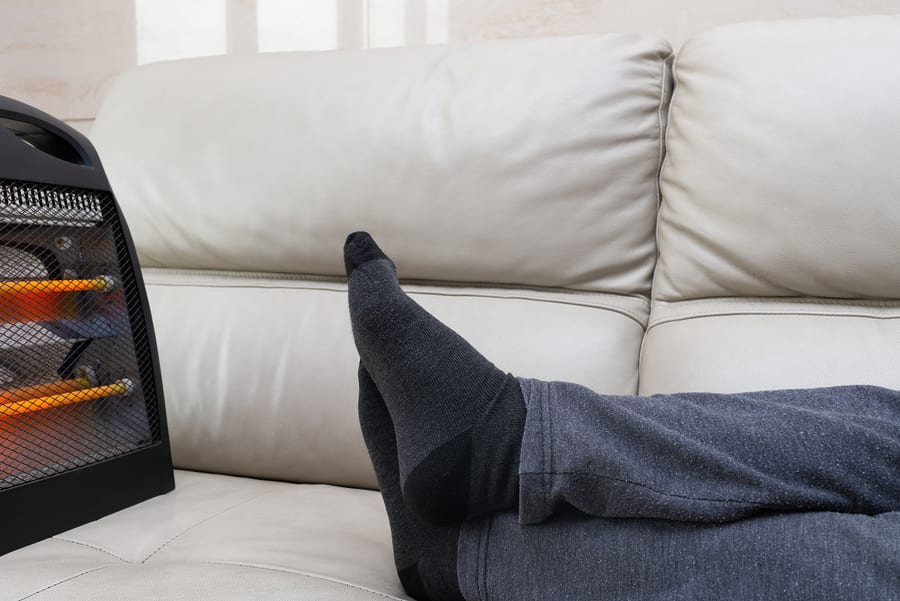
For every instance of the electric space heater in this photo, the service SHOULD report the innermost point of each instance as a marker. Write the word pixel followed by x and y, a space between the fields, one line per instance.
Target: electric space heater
pixel 82 422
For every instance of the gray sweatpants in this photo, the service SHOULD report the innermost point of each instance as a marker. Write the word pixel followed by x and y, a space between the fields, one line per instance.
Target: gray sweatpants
pixel 777 495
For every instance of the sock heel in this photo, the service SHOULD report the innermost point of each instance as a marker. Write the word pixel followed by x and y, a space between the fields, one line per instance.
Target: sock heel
pixel 437 490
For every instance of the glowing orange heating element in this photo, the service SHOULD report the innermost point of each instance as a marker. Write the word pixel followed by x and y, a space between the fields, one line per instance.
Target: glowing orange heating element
pixel 100 284
pixel 25 393
pixel 35 306
pixel 44 300
pixel 120 388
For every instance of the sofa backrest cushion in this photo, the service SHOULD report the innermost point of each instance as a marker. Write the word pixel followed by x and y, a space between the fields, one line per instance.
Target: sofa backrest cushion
pixel 779 234
pixel 513 182
pixel 528 152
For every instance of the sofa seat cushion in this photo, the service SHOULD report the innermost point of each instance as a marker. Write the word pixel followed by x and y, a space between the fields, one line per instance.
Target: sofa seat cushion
pixel 218 537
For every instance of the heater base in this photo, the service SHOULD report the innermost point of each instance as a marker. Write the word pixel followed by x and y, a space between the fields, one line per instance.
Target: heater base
pixel 102 488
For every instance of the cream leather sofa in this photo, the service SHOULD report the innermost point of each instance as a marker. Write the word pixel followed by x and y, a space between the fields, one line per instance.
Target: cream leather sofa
pixel 517 185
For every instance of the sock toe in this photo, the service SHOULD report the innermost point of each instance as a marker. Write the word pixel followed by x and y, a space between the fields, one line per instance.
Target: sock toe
pixel 360 248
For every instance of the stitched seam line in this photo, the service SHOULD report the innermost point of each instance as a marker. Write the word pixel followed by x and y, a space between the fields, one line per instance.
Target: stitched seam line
pixel 593 305
pixel 279 278
pixel 75 542
pixel 303 574
pixel 282 570
pixel 475 572
pixel 63 581
pixel 797 301
pixel 766 313
pixel 550 459
pixel 487 550
pixel 480 552
pixel 650 488
pixel 637 318
pixel 545 443
pixel 192 526
pixel 482 563
pixel 539 409
pixel 247 275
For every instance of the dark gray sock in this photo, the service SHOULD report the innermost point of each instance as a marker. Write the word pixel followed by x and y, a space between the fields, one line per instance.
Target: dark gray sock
pixel 458 419
pixel 425 556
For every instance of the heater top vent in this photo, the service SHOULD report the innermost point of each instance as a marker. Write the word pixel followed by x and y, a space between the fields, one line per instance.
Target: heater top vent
pixel 39 204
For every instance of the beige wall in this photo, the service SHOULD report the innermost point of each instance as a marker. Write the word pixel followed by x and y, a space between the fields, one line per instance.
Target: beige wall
pixel 675 20
pixel 61 55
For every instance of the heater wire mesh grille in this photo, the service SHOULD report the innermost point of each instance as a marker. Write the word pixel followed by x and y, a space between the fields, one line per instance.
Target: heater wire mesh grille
pixel 76 373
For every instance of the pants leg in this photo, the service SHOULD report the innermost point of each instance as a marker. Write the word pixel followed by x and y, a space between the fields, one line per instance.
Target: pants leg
pixel 703 457
pixel 806 556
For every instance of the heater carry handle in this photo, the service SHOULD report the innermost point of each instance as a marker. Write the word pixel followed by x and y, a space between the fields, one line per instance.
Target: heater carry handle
pixel 43 149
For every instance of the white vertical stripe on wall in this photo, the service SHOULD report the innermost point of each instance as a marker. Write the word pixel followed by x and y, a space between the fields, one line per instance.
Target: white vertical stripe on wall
pixel 351 24
pixel 171 29
pixel 284 25
pixel 415 23
pixel 240 19
pixel 386 23
pixel 437 21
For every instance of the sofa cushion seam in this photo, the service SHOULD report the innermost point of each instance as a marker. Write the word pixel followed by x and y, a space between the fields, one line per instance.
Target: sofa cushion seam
pixel 287 281
pixel 283 570
pixel 605 306
pixel 75 542
pixel 799 301
pixel 760 313
pixel 203 521
pixel 300 573
pixel 63 581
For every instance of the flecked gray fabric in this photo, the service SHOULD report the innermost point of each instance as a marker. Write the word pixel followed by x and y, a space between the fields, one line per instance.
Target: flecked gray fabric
pixel 760 496
pixel 709 457
pixel 806 556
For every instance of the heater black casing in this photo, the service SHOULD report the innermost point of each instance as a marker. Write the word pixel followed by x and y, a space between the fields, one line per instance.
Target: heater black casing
pixel 38 149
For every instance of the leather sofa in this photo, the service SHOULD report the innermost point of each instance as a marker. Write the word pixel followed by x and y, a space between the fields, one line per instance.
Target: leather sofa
pixel 542 196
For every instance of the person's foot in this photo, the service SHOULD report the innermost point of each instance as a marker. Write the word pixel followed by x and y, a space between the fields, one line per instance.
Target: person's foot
pixel 458 419
pixel 425 556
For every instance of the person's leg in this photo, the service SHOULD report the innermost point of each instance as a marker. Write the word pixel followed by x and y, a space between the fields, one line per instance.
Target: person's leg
pixel 424 555
pixel 786 556
pixel 693 457
pixel 789 557
pixel 709 457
